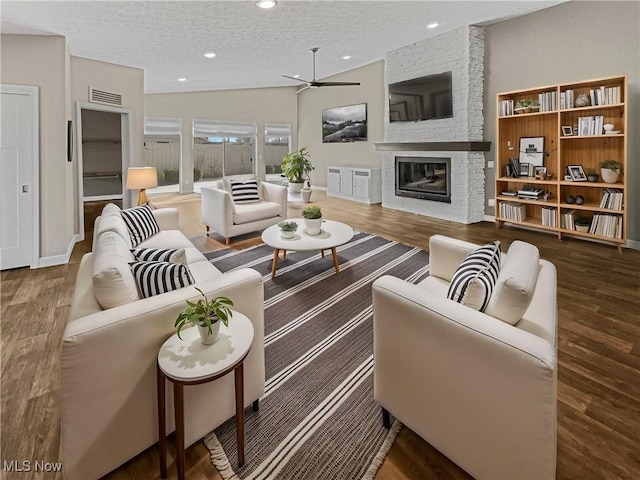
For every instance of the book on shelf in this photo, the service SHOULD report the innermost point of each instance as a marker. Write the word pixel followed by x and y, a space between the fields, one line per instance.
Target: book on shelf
pixel 531 193
pixel 506 108
pixel 568 219
pixel 513 211
pixel 612 199
pixel 606 225
pixel 509 193
pixel 549 216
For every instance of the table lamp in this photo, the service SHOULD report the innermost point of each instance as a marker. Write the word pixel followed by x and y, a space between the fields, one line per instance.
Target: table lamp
pixel 140 178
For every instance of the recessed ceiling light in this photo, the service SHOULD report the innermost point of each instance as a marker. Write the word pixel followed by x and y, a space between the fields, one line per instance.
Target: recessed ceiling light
pixel 433 25
pixel 296 76
pixel 346 57
pixel 266 3
pixel 182 79
pixel 209 55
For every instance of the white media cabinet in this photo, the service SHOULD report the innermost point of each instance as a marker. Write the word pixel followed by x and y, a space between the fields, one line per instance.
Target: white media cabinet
pixel 361 184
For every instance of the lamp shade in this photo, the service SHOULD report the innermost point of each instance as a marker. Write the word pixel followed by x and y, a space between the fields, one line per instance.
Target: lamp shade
pixel 141 177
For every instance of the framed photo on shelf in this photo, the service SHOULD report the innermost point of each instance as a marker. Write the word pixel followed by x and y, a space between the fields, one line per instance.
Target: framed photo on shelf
pixel 532 151
pixel 524 169
pixel 577 173
pixel 567 130
pixel 540 172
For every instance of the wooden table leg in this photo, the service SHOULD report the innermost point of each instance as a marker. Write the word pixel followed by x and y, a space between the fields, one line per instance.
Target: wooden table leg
pixel 335 260
pixel 284 254
pixel 276 253
pixel 178 399
pixel 322 253
pixel 162 424
pixel 239 380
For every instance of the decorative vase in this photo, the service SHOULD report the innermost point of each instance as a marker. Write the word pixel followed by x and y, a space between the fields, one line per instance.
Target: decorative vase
pixel 313 225
pixel 209 338
pixel 579 200
pixel 295 187
pixel 306 195
pixel 571 199
pixel 609 176
pixel 285 234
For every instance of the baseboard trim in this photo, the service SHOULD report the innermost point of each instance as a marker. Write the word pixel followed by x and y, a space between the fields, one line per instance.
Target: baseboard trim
pixel 489 218
pixel 59 259
pixel 633 244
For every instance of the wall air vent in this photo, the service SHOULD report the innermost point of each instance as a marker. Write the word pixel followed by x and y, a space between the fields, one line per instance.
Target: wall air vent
pixel 105 98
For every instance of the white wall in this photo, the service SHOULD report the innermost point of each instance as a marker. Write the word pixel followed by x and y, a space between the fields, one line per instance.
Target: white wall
pixel 261 105
pixel 570 42
pixel 127 81
pixel 42 61
pixel 312 101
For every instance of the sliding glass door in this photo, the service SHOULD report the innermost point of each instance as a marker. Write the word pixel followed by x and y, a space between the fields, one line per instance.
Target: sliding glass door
pixel 163 150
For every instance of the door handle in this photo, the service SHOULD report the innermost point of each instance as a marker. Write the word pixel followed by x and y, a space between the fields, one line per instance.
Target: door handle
pixel 25 188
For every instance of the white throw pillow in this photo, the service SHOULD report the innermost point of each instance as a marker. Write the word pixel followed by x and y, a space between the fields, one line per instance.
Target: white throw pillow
pixel 516 283
pixel 140 222
pixel 154 278
pixel 171 255
pixel 113 282
pixel 473 282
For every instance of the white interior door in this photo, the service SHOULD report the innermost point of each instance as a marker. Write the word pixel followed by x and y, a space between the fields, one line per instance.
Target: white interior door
pixel 18 190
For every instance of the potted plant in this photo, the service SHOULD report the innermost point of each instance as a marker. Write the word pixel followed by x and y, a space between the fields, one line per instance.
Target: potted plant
pixel 207 315
pixel 582 224
pixel 535 105
pixel 523 106
pixel 288 229
pixel 312 219
pixel 295 165
pixel 610 170
pixel 592 174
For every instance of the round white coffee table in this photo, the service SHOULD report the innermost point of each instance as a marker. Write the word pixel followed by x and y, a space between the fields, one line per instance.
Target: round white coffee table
pixel 332 235
pixel 190 362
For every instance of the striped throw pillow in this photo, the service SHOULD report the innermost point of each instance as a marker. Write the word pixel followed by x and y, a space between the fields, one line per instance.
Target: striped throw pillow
pixel 140 222
pixel 244 192
pixel 171 255
pixel 475 278
pixel 154 278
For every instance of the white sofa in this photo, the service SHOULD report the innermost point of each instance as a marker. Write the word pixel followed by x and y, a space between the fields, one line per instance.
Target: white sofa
pixel 109 404
pixel 229 219
pixel 481 391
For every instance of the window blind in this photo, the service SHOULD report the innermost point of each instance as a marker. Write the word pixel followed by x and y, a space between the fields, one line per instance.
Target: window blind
pixel 162 126
pixel 216 128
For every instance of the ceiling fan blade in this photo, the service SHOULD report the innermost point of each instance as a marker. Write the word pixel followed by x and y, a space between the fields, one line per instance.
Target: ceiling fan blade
pixel 334 84
pixel 297 79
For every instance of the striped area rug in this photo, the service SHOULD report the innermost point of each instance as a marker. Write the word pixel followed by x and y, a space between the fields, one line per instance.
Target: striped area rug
pixel 317 418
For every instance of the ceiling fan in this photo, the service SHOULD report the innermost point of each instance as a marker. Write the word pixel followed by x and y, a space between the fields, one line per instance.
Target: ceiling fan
pixel 314 83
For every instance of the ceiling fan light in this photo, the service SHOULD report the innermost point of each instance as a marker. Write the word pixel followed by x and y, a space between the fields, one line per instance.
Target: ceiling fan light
pixel 266 4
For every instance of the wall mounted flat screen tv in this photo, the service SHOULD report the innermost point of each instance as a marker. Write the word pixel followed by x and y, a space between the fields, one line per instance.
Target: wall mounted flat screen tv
pixel 423 98
pixel 345 124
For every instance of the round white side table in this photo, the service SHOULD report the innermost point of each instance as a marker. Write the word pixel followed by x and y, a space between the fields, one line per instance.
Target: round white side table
pixel 190 362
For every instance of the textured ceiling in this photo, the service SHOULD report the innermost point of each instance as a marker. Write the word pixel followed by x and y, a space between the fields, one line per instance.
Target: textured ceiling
pixel 253 46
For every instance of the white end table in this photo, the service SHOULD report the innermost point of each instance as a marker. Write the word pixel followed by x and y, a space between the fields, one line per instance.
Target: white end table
pixel 332 235
pixel 190 362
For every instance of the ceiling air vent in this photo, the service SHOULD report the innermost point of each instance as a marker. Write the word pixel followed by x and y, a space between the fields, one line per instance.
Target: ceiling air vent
pixel 104 97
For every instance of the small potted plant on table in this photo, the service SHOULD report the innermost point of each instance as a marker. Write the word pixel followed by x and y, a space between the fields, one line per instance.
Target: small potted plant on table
pixel 207 315
pixel 312 219
pixel 592 174
pixel 288 229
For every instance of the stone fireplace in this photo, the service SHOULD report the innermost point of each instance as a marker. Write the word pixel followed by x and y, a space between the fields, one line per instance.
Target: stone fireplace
pixel 425 178
pixel 456 141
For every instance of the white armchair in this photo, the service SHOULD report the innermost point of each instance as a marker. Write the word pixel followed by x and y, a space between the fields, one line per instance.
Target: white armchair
pixel 221 214
pixel 481 391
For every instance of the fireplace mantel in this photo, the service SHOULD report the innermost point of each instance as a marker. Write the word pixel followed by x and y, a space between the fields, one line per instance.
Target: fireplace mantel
pixel 433 147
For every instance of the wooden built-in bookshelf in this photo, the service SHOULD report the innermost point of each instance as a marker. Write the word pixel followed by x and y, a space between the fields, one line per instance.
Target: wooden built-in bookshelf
pixel 562 149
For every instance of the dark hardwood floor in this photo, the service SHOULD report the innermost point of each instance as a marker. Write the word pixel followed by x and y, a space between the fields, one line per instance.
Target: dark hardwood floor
pixel 599 350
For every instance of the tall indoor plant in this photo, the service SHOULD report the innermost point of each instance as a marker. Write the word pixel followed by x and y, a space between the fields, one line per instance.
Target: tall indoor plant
pixel 295 165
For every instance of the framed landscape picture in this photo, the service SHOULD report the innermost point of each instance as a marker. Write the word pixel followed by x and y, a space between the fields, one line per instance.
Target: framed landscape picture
pixel 345 124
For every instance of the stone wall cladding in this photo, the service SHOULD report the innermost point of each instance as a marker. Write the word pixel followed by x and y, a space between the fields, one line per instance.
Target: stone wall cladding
pixel 461 52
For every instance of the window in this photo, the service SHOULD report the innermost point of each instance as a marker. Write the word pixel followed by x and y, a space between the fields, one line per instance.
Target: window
pixel 222 149
pixel 163 150
pixel 277 143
